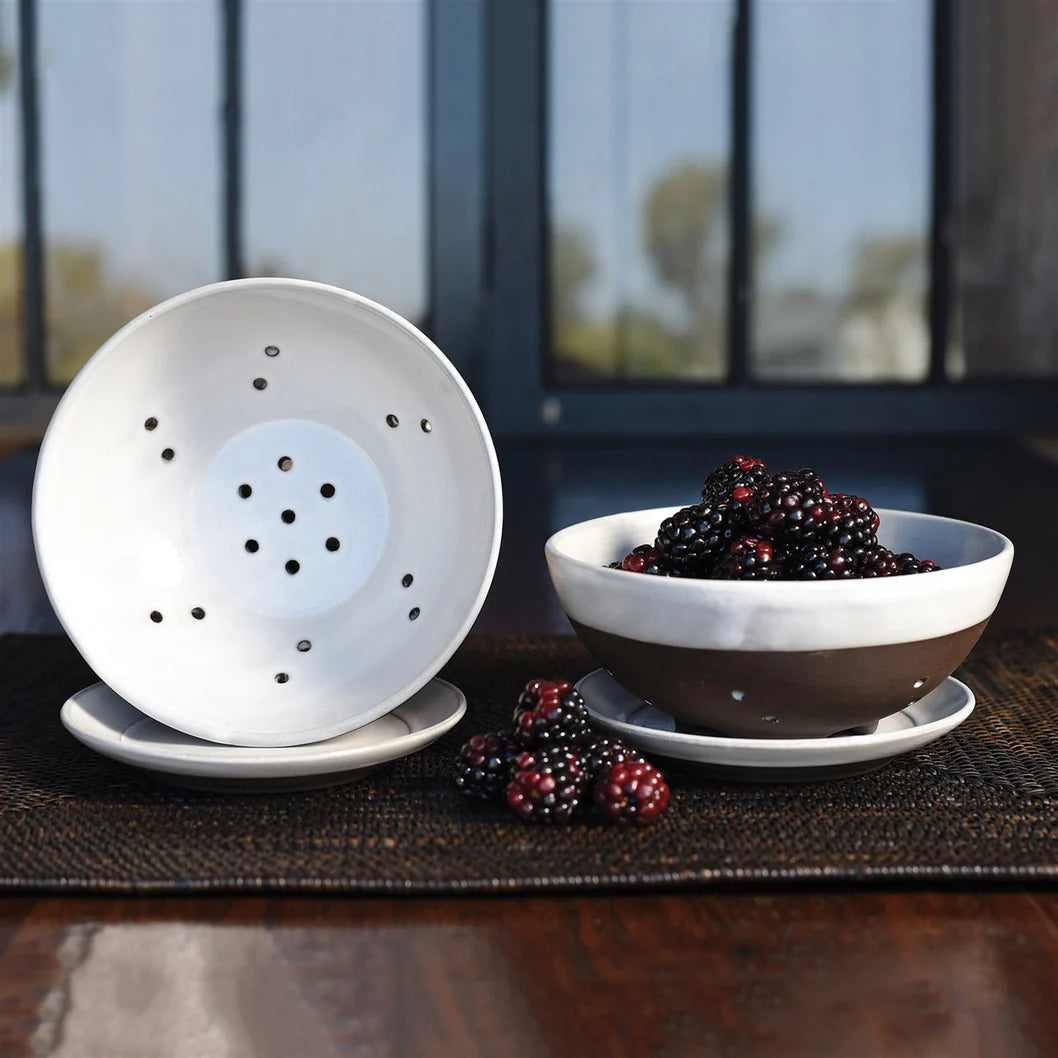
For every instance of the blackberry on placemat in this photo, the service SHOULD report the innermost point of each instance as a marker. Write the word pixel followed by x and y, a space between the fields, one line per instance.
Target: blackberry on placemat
pixel 550 713
pixel 483 765
pixel 550 790
pixel 601 754
pixel 632 794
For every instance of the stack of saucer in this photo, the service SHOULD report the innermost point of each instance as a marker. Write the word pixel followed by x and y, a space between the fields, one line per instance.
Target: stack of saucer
pixel 769 759
pixel 266 512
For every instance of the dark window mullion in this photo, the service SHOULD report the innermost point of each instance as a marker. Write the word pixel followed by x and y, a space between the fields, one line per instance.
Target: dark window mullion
pixel 32 217
pixel 740 205
pixel 513 382
pixel 232 132
pixel 942 234
pixel 456 182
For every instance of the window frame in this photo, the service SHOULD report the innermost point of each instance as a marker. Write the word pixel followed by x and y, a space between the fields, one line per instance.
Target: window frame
pixel 486 186
pixel 521 402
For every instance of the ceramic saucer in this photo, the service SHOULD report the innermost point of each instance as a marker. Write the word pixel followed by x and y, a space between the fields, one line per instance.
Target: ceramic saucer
pixel 106 723
pixel 775 760
pixel 267 512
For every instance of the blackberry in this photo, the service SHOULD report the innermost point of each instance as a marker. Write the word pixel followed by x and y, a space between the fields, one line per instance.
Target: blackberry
pixel 550 790
pixel 483 765
pixel 693 538
pixel 632 794
pixel 741 472
pixel 551 715
pixel 792 505
pixel 851 523
pixel 602 754
pixel 573 758
pixel 530 697
pixel 645 559
pixel 907 563
pixel 878 562
pixel 819 562
pixel 750 558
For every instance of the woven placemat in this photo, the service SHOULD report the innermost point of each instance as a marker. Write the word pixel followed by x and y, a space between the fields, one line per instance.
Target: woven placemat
pixel 978 805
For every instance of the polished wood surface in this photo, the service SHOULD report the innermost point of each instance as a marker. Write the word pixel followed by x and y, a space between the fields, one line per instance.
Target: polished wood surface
pixel 934 975
pixel 816 972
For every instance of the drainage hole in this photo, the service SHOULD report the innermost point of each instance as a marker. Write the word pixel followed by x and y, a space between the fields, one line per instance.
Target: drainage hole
pixel 327 490
pixel 284 462
pixel 282 677
pixel 198 613
pixel 260 383
pixel 245 491
pixel 413 613
pixel 304 646
pixel 288 516
pixel 151 423
pixel 156 617
pixel 333 543
pixel 167 454
pixel 392 420
pixel 252 546
pixel 271 350
pixel 292 566
pixel 426 425
pixel 407 579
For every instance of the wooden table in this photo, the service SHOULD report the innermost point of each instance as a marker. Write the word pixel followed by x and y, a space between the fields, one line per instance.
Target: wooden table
pixel 821 972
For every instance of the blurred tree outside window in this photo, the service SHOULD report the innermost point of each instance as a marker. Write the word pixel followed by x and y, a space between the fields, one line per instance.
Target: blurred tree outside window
pixel 842 141
pixel 637 175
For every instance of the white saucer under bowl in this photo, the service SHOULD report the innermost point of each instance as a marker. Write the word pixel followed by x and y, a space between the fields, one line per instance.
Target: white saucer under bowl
pixel 771 760
pixel 267 512
pixel 107 723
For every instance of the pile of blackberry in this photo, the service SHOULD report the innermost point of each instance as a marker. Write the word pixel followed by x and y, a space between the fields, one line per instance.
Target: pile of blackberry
pixel 752 525
pixel 552 766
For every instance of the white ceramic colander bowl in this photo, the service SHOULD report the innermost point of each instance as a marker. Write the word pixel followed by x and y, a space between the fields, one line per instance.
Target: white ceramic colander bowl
pixel 267 512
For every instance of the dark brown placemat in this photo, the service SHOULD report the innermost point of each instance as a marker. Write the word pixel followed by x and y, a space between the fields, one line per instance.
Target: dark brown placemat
pixel 978 805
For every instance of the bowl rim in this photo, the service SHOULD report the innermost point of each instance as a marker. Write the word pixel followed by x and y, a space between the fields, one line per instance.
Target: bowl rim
pixel 557 547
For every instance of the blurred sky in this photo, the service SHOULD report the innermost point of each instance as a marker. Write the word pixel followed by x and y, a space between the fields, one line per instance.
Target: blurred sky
pixel 335 132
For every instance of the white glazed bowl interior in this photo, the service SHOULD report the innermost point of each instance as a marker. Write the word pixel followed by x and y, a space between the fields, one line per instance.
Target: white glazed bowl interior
pixel 779 659
pixel 267 512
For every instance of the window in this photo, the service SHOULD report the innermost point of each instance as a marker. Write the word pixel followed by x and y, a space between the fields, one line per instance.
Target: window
pixel 333 121
pixel 840 141
pixel 150 147
pixel 618 217
pixel 638 150
pixel 840 217
pixel 129 165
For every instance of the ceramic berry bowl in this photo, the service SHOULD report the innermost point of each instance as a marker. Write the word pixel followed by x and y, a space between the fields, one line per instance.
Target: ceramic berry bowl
pixel 781 659
pixel 267 512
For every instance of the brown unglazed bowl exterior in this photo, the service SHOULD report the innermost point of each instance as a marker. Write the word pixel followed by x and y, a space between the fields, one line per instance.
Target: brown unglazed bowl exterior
pixel 780 694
